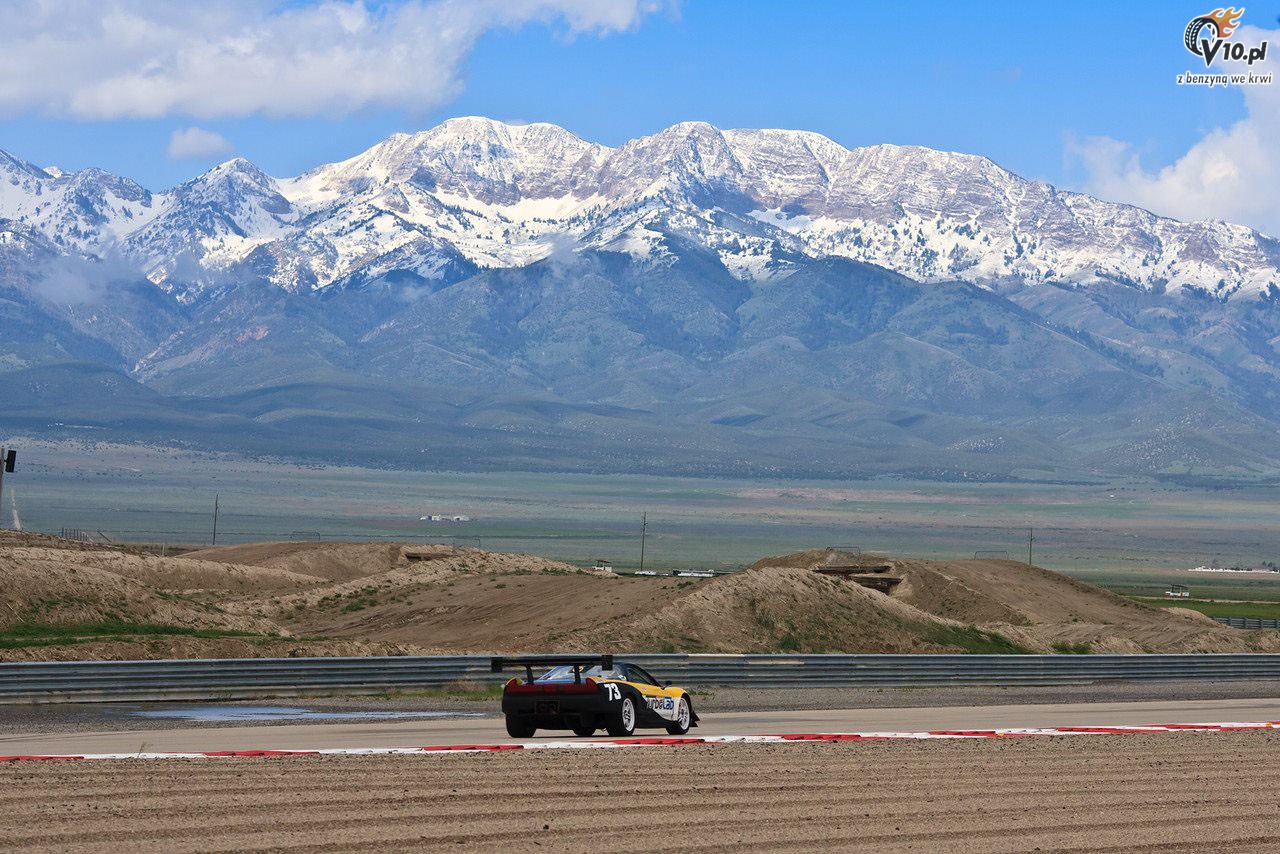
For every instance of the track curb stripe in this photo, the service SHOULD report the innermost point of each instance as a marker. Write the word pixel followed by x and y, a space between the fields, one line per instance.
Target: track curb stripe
pixel 781 738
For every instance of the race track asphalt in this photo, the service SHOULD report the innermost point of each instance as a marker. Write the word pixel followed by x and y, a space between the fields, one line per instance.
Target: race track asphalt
pixel 420 733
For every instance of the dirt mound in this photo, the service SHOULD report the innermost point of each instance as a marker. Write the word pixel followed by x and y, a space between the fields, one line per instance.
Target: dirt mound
pixel 1040 610
pixel 176 574
pixel 780 609
pixel 468 600
pixel 139 648
pixel 343 598
pixel 1008 591
pixel 62 599
pixel 1047 611
pixel 42 586
pixel 324 560
pixel 295 598
pixel 811 558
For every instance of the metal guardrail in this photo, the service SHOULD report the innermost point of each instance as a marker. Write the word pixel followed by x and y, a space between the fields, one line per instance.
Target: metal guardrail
pixel 225 679
pixel 1248 622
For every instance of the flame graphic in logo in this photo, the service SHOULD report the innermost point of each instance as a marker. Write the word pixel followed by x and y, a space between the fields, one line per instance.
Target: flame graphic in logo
pixel 1223 21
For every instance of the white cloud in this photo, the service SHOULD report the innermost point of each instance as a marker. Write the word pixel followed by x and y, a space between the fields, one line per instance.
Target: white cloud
pixel 1231 174
pixel 197 144
pixel 80 279
pixel 108 59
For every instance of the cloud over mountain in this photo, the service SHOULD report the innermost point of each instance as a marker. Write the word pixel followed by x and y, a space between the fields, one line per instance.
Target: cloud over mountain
pixel 197 144
pixel 1231 174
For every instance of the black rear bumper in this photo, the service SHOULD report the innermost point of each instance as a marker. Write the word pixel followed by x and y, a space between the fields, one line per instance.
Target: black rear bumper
pixel 560 711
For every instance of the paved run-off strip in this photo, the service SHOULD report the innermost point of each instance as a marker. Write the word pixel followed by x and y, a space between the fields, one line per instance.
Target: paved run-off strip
pixel 672 741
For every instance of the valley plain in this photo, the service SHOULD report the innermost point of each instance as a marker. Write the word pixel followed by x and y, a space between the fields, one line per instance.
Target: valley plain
pixel 1131 533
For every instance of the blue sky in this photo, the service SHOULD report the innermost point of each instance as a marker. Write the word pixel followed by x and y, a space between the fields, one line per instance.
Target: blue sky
pixel 1023 83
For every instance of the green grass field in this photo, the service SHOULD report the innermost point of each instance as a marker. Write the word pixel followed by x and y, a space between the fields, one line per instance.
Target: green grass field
pixel 1256 610
pixel 1152 584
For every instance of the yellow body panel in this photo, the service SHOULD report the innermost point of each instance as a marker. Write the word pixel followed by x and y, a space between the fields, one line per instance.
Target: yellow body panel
pixel 664 702
pixel 648 690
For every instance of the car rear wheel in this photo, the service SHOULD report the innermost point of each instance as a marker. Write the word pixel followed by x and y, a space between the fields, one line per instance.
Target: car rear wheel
pixel 684 718
pixel 517 728
pixel 584 731
pixel 623 722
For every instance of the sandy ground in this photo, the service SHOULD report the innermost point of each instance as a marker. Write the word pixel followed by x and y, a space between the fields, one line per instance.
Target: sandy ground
pixel 1167 792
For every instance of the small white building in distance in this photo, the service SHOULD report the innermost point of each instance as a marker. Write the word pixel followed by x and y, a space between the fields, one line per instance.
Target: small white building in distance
pixel 440 517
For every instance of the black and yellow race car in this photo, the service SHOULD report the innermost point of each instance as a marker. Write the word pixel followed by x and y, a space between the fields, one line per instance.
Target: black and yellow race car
pixel 588 693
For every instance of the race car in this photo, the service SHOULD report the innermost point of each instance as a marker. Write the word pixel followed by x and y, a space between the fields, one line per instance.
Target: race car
pixel 590 692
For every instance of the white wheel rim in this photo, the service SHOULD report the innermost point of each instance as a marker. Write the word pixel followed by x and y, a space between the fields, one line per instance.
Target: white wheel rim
pixel 684 713
pixel 628 714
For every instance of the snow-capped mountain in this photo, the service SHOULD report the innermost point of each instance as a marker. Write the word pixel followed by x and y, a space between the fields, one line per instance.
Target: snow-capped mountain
pixel 86 210
pixel 747 301
pixel 476 193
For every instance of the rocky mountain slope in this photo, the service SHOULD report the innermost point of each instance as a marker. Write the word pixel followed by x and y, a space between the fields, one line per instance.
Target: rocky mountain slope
pixel 474 191
pixel 763 301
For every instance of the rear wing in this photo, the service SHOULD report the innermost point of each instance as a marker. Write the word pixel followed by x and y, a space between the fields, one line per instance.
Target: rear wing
pixel 578 662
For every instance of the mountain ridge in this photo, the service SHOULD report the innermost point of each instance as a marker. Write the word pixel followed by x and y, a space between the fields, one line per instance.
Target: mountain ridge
pixel 758 302
pixel 501 195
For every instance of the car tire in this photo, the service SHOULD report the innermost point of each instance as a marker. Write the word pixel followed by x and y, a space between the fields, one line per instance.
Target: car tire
pixel 684 718
pixel 517 728
pixel 622 723
pixel 584 731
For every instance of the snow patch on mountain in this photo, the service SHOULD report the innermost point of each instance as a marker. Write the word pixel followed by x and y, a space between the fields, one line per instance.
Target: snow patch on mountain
pixel 474 192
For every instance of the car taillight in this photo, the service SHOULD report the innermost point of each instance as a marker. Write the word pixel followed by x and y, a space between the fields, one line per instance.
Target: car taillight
pixel 586 686
pixel 515 686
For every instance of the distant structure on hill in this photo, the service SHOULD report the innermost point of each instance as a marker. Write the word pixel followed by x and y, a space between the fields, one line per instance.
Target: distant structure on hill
pixel 441 517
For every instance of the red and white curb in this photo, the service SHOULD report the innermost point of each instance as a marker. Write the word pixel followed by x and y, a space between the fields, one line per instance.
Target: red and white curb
pixel 674 741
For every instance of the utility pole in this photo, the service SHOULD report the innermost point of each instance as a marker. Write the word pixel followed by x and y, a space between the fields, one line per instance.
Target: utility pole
pixel 644 526
pixel 7 461
pixel 215 520
pixel 1031 538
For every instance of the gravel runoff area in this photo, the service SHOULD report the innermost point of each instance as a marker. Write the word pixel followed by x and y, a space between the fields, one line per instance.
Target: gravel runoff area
pixel 84 717
pixel 1159 792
